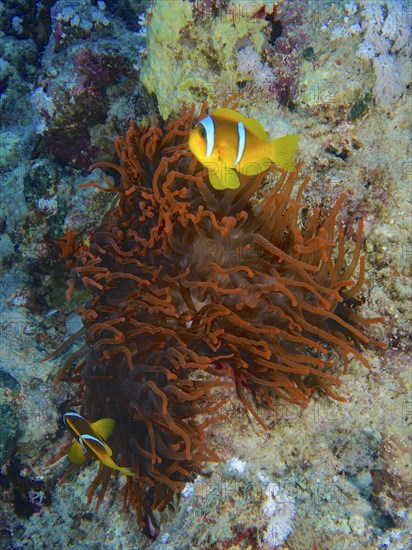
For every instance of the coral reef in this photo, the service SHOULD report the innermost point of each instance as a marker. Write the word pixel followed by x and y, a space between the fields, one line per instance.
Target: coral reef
pixel 380 32
pixel 10 427
pixel 393 482
pixel 386 41
pixel 284 48
pixel 29 493
pixel 250 64
pixel 179 75
pixel 60 105
pixel 192 288
pixel 227 56
pixel 281 510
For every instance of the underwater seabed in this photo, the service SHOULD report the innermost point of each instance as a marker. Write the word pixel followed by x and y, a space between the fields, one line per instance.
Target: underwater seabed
pixel 333 475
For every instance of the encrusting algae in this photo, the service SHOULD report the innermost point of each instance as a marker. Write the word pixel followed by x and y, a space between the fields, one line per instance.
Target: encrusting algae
pixel 192 288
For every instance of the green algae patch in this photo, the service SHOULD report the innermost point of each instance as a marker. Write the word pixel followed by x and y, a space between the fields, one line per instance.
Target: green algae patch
pixel 360 107
pixel 189 62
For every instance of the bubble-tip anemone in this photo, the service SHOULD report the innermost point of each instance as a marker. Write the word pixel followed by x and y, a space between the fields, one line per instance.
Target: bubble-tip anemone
pixel 193 288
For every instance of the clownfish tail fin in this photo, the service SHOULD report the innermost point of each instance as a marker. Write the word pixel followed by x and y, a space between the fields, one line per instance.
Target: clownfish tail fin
pixel 284 152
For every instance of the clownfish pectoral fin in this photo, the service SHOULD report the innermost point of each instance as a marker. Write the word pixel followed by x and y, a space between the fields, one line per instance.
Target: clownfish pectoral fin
pixel 104 427
pixel 222 177
pixel 284 152
pixel 76 453
pixel 231 179
pixel 215 181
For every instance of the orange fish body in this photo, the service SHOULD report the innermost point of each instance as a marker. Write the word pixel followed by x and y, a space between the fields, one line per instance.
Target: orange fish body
pixel 227 143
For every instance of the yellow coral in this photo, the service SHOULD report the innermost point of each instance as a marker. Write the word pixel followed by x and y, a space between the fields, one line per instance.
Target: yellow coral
pixel 190 63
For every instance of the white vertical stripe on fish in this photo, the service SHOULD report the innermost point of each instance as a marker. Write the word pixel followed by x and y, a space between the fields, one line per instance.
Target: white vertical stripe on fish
pixel 88 437
pixel 72 415
pixel 209 127
pixel 83 445
pixel 242 141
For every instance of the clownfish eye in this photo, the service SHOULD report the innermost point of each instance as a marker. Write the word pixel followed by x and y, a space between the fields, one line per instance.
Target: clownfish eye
pixel 202 131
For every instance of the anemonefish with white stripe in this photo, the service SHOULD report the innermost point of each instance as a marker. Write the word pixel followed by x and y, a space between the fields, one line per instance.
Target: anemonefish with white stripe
pixel 91 437
pixel 227 143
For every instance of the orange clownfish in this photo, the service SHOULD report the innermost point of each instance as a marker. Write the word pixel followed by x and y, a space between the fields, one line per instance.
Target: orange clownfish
pixel 228 143
pixel 90 437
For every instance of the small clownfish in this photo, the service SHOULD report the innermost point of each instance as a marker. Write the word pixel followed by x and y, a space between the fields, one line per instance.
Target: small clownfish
pixel 226 143
pixel 90 437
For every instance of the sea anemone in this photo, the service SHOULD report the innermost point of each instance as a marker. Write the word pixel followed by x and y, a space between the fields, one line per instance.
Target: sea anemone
pixel 193 288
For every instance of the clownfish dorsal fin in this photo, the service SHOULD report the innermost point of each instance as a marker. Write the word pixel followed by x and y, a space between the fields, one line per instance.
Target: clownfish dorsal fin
pixel 76 453
pixel 252 125
pixel 104 427
pixel 255 128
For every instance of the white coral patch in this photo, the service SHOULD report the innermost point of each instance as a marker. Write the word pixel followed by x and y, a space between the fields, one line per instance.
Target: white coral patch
pixel 280 508
pixel 237 465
